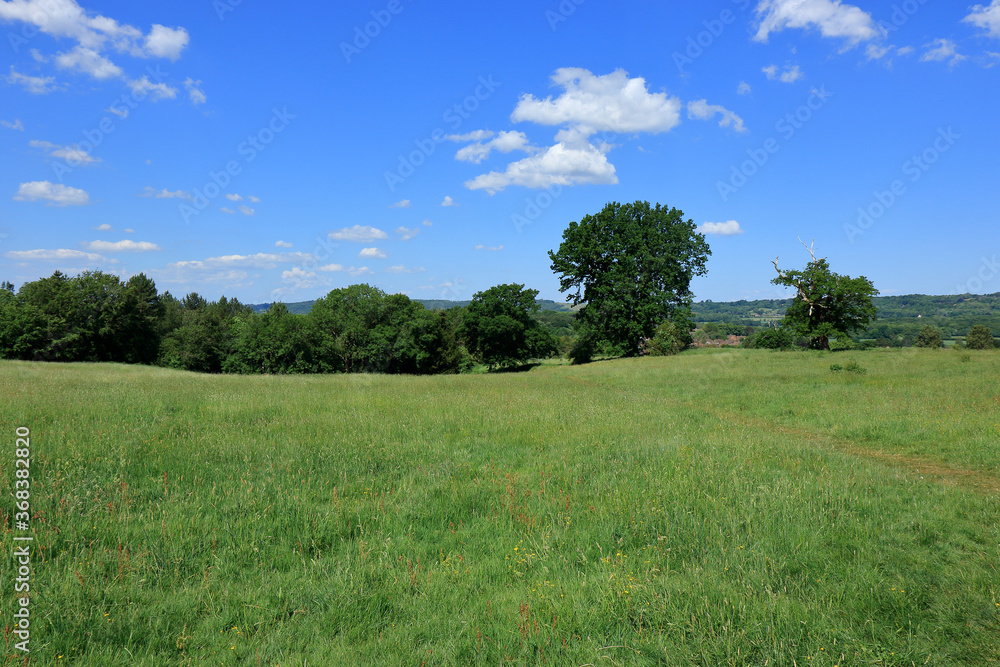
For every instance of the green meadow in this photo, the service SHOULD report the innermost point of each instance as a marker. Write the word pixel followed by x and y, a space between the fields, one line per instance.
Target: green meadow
pixel 738 507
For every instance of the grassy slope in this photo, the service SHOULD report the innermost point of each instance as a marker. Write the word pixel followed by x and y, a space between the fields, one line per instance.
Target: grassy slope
pixel 710 509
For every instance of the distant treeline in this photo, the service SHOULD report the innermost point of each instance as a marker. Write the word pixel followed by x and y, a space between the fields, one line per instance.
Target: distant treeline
pixel 97 317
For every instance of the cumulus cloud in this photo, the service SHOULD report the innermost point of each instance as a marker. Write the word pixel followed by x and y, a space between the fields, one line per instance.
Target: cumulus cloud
pixel 282 244
pixel 88 61
pixel 940 50
pixel 331 268
pixel 405 233
pixel 104 228
pixel 15 125
pixel 490 248
pixel 372 253
pixel 986 17
pixel 58 255
pixel 557 165
pixel 164 42
pixel 427 223
pixel 744 88
pixel 478 135
pixel 399 268
pixel 195 93
pixel 226 209
pixel 156 91
pixel 94 35
pixel 832 18
pixel 246 210
pixel 234 197
pixel 166 194
pixel 260 260
pixel 702 110
pixel 122 246
pixel 253 200
pixel 71 154
pixel 36 85
pixel 359 271
pixel 401 204
pixel 590 104
pixel 730 228
pixel 55 194
pixel 358 233
pixel 790 74
pixel 504 142
pixel 448 201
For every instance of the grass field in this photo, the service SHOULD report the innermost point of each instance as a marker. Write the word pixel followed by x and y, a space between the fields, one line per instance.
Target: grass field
pixel 716 508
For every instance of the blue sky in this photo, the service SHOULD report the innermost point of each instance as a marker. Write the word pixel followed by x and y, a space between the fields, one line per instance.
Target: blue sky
pixel 275 152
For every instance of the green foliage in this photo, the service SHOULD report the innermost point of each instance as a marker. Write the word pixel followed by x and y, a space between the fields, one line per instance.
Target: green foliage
pixel 836 368
pixel 499 329
pixel 632 266
pixel 929 337
pixel 979 338
pixel 855 367
pixel 826 304
pixel 770 339
pixel 669 339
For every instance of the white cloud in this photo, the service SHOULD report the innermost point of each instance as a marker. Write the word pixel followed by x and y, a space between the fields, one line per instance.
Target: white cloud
pixel 427 223
pixel 940 50
pixel 36 85
pixel 331 268
pixel 282 244
pixel 104 228
pixel 358 233
pixel 260 260
pixel 405 233
pixel 128 230
pixel 61 254
pixel 790 74
pixel 905 50
pixel 832 18
pixel 478 135
pixel 246 210
pixel 164 42
pixel 226 209
pixel 55 193
pixel 399 268
pixel 166 194
pixel 253 200
pixel 196 94
pixel 505 142
pixel 121 246
pixel 156 91
pixel 490 248
pixel 71 154
pixel 448 201
pixel 702 110
pixel 372 253
pixel 744 88
pixel 362 271
pixel 730 228
pixel 589 104
pixel 986 17
pixel 121 113
pixel 88 61
pixel 16 125
pixel 37 55
pixel 234 197
pixel 557 165
pixel 401 204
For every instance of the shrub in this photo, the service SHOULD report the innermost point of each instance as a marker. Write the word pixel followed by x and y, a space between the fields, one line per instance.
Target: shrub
pixel 929 337
pixel 668 340
pixel 836 368
pixel 979 338
pixel 770 339
pixel 854 367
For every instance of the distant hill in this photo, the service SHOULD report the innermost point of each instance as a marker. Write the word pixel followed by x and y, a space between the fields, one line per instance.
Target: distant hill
pixel 303 307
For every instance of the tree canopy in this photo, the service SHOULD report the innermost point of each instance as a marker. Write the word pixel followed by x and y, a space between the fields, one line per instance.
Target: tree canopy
pixel 826 304
pixel 499 329
pixel 632 265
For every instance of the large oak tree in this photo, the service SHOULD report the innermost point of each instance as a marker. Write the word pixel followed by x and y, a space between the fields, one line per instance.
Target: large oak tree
pixel 632 265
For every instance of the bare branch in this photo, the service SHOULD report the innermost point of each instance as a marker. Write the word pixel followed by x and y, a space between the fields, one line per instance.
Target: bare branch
pixel 808 247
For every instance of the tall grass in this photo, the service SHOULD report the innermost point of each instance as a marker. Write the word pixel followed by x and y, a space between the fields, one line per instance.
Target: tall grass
pixel 726 508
